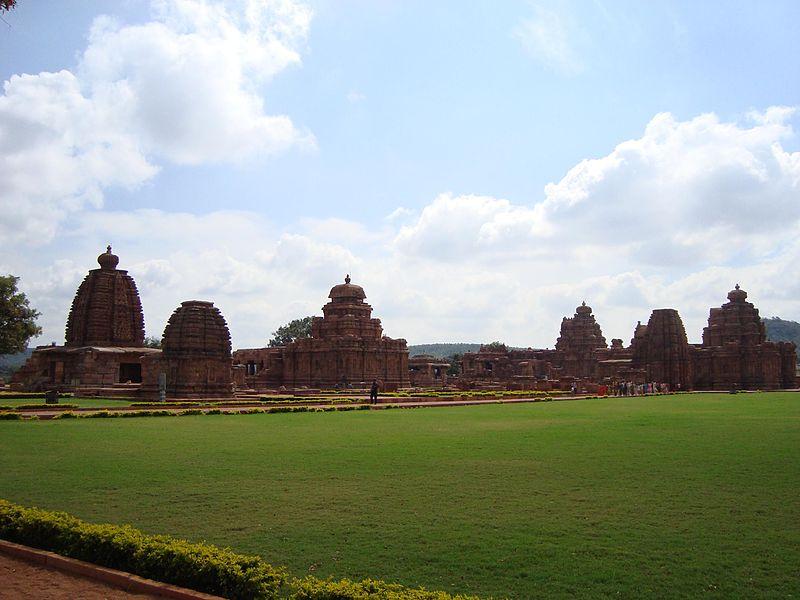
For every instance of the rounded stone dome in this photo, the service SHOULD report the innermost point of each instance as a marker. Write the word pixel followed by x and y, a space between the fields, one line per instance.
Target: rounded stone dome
pixel 583 309
pixel 197 328
pixel 107 260
pixel 737 294
pixel 106 310
pixel 347 291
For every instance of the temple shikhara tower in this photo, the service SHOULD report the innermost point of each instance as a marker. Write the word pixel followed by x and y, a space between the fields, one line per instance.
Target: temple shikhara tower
pixel 195 361
pixel 346 348
pixel 106 310
pixel 735 351
pixel 662 351
pixel 104 344
pixel 104 352
pixel 734 354
pixel 580 337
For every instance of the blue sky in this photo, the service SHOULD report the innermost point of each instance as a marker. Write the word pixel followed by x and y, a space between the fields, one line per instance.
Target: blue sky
pixel 451 118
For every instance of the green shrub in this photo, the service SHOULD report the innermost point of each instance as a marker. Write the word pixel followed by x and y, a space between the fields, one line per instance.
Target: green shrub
pixel 311 588
pixel 10 416
pixel 162 404
pixel 68 414
pixel 191 411
pixel 201 567
pixel 26 395
pixel 42 405
pixel 101 414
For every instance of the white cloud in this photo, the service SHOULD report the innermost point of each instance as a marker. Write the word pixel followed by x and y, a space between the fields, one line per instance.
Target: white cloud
pixel 354 97
pixel 695 192
pixel 401 213
pixel 184 87
pixel 627 232
pixel 548 37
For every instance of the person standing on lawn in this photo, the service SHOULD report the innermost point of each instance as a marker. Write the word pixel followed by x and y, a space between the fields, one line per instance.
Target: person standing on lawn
pixel 373 392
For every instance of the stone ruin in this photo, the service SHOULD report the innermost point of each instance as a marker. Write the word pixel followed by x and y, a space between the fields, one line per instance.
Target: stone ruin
pixel 425 370
pixel 347 348
pixel 106 310
pixel 104 351
pixel 662 352
pixel 195 361
pixel 104 345
pixel 734 354
pixel 580 338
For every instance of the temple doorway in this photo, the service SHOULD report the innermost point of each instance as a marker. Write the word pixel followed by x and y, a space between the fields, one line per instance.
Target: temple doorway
pixel 130 372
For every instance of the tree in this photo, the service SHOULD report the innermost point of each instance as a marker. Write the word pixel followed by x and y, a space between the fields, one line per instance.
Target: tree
pixel 17 318
pixel 152 341
pixel 454 370
pixel 286 334
pixel 495 347
pixel 6 5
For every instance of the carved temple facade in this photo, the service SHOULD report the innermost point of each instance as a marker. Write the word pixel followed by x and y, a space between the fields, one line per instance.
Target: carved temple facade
pixel 104 351
pixel 346 348
pixel 734 354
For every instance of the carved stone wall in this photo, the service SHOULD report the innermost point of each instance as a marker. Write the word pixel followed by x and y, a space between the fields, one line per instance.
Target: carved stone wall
pixel 663 351
pixel 347 346
pixel 196 354
pixel 106 310
pixel 580 337
pixel 735 353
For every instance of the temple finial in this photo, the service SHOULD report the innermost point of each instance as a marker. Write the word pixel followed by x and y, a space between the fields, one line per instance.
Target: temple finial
pixel 108 249
pixel 736 286
pixel 347 278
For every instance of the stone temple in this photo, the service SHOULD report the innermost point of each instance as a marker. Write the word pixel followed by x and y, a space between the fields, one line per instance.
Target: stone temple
pixel 104 345
pixel 104 351
pixel 734 354
pixel 735 350
pixel 346 348
pixel 195 361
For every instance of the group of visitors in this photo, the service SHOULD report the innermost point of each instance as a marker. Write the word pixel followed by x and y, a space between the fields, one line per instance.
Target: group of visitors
pixel 629 388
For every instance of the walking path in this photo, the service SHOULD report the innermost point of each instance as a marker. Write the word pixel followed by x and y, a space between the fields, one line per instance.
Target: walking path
pixel 27 572
pixel 21 579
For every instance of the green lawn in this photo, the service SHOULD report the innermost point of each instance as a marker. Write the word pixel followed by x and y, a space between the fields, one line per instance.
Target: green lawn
pixel 81 402
pixel 694 495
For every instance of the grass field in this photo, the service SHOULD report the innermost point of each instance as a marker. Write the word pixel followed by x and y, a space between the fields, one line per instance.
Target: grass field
pixel 665 496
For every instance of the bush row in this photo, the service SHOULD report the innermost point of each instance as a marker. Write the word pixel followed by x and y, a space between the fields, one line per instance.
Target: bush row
pixel 202 567
pixel 23 395
pixel 105 414
pixel 39 405
pixel 199 566
pixel 474 394
pixel 312 588
pixel 10 416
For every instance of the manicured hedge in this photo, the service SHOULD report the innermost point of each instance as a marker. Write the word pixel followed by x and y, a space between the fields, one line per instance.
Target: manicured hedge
pixel 26 395
pixel 201 567
pixel 311 588
pixel 24 406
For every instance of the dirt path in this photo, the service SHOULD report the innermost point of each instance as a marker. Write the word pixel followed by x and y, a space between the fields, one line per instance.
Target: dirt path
pixel 20 579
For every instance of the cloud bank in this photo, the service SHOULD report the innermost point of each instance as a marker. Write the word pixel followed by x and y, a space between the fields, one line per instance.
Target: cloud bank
pixel 673 218
pixel 183 88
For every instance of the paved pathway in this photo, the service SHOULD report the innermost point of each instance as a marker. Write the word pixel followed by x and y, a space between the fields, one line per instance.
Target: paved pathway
pixel 20 579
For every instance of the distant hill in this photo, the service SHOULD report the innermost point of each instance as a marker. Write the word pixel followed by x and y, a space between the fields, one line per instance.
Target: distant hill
pixel 779 330
pixel 11 362
pixel 442 350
